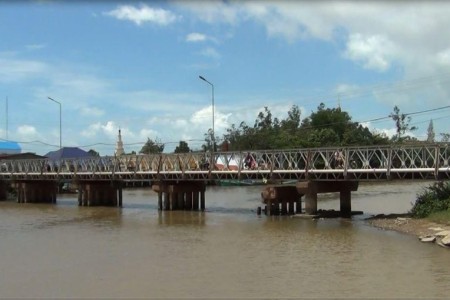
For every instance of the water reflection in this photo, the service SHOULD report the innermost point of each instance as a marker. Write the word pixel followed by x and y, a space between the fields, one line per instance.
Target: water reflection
pixel 182 218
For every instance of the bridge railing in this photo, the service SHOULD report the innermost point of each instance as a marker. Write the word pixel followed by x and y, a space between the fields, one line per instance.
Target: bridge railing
pixel 373 162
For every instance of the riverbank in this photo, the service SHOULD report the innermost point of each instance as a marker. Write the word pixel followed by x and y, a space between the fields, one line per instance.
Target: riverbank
pixel 405 224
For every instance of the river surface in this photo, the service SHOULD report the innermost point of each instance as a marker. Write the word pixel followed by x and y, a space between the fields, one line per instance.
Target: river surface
pixel 228 251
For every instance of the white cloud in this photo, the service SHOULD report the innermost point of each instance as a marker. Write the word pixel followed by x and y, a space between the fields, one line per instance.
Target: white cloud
pixel 27 130
pixel 143 14
pixel 195 37
pixel 92 111
pixel 210 52
pixel 35 47
pixel 13 69
pixel 374 52
pixel 145 133
pixel 109 129
pixel 213 11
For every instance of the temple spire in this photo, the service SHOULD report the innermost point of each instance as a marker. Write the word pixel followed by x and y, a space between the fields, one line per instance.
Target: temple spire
pixel 119 145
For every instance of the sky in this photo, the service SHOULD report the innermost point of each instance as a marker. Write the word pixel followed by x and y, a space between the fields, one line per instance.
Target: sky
pixel 135 66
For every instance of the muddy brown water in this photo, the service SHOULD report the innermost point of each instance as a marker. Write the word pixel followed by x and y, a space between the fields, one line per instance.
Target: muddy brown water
pixel 228 251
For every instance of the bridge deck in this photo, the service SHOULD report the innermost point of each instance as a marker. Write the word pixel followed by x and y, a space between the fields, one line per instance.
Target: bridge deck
pixel 429 161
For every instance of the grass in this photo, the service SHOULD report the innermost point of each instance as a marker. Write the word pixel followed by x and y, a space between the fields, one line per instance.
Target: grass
pixel 442 217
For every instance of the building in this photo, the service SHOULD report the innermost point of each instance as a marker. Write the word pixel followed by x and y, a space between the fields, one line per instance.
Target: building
pixel 67 152
pixel 8 147
pixel 119 145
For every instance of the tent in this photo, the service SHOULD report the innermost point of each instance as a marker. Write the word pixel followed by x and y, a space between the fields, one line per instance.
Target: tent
pixel 67 152
pixel 7 147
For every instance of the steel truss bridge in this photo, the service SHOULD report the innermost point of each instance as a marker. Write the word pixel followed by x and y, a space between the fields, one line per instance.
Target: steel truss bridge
pixel 424 161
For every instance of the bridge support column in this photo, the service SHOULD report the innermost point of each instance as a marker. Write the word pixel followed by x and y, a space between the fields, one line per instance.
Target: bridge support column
pixel 345 197
pixel 312 188
pixel 182 195
pixel 36 191
pixel 286 196
pixel 100 193
pixel 3 190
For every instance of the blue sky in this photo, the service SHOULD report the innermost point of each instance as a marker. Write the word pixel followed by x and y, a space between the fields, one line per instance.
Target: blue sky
pixel 136 66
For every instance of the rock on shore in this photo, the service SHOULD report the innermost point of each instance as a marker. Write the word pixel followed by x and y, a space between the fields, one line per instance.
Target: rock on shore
pixel 425 230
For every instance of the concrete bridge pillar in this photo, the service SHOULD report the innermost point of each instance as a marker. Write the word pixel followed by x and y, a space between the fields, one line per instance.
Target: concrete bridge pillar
pixel 100 193
pixel 36 191
pixel 3 190
pixel 312 188
pixel 286 196
pixel 182 195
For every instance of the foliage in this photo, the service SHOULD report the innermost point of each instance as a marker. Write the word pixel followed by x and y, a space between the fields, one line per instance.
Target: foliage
pixel 210 139
pixel 325 127
pixel 434 198
pixel 445 137
pixel 151 147
pixel 93 153
pixel 442 217
pixel 182 148
pixel 401 123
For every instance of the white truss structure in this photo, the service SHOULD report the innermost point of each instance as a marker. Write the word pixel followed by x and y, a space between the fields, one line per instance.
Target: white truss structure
pixel 425 161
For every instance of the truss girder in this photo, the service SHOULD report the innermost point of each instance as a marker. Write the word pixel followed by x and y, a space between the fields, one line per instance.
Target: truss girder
pixel 425 161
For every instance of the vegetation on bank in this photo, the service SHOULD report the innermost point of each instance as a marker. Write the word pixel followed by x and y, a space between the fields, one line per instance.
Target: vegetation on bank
pixel 325 127
pixel 433 203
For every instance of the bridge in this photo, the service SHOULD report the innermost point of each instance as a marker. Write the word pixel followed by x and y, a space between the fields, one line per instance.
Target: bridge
pixel 430 161
pixel 180 178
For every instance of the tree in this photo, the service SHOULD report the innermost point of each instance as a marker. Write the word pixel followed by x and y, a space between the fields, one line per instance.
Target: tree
pixel 430 132
pixel 152 147
pixel 445 137
pixel 182 148
pixel 401 123
pixel 93 153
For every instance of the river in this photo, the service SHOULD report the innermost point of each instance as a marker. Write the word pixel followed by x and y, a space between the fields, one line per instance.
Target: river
pixel 228 251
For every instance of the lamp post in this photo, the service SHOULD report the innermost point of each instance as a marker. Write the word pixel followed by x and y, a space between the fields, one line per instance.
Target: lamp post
pixel 60 127
pixel 212 95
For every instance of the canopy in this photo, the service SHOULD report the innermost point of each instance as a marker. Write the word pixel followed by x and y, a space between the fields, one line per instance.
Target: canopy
pixel 67 152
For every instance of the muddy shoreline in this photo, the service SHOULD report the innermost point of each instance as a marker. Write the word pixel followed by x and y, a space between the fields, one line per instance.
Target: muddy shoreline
pixel 404 223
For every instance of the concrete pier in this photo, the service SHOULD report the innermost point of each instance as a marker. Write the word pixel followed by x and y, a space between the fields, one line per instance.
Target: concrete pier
pixel 281 199
pixel 311 188
pixel 100 193
pixel 182 195
pixel 36 191
pixel 3 190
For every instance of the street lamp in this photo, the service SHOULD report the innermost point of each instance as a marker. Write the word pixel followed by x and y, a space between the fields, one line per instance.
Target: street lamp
pixel 60 131
pixel 213 134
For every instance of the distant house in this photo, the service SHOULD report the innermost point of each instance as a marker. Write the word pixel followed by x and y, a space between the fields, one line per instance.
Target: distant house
pixel 27 155
pixel 9 148
pixel 67 152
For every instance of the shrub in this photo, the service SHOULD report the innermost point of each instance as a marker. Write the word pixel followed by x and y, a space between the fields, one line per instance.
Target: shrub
pixel 432 199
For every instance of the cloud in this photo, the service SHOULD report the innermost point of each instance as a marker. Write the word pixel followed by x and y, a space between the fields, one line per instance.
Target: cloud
pixel 27 130
pixel 210 52
pixel 35 47
pixel 374 52
pixel 92 111
pixel 19 69
pixel 143 14
pixel 196 37
pixel 109 128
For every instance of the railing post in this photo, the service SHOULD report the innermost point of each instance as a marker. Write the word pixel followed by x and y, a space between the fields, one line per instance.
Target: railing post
pixel 436 161
pixel 389 163
pixel 346 156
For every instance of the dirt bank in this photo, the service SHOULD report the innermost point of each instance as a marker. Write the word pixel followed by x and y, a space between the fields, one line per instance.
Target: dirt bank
pixel 405 224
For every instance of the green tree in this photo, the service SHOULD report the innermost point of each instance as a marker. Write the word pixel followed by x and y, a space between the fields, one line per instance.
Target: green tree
pixel 401 123
pixel 182 148
pixel 93 153
pixel 152 147
pixel 445 137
